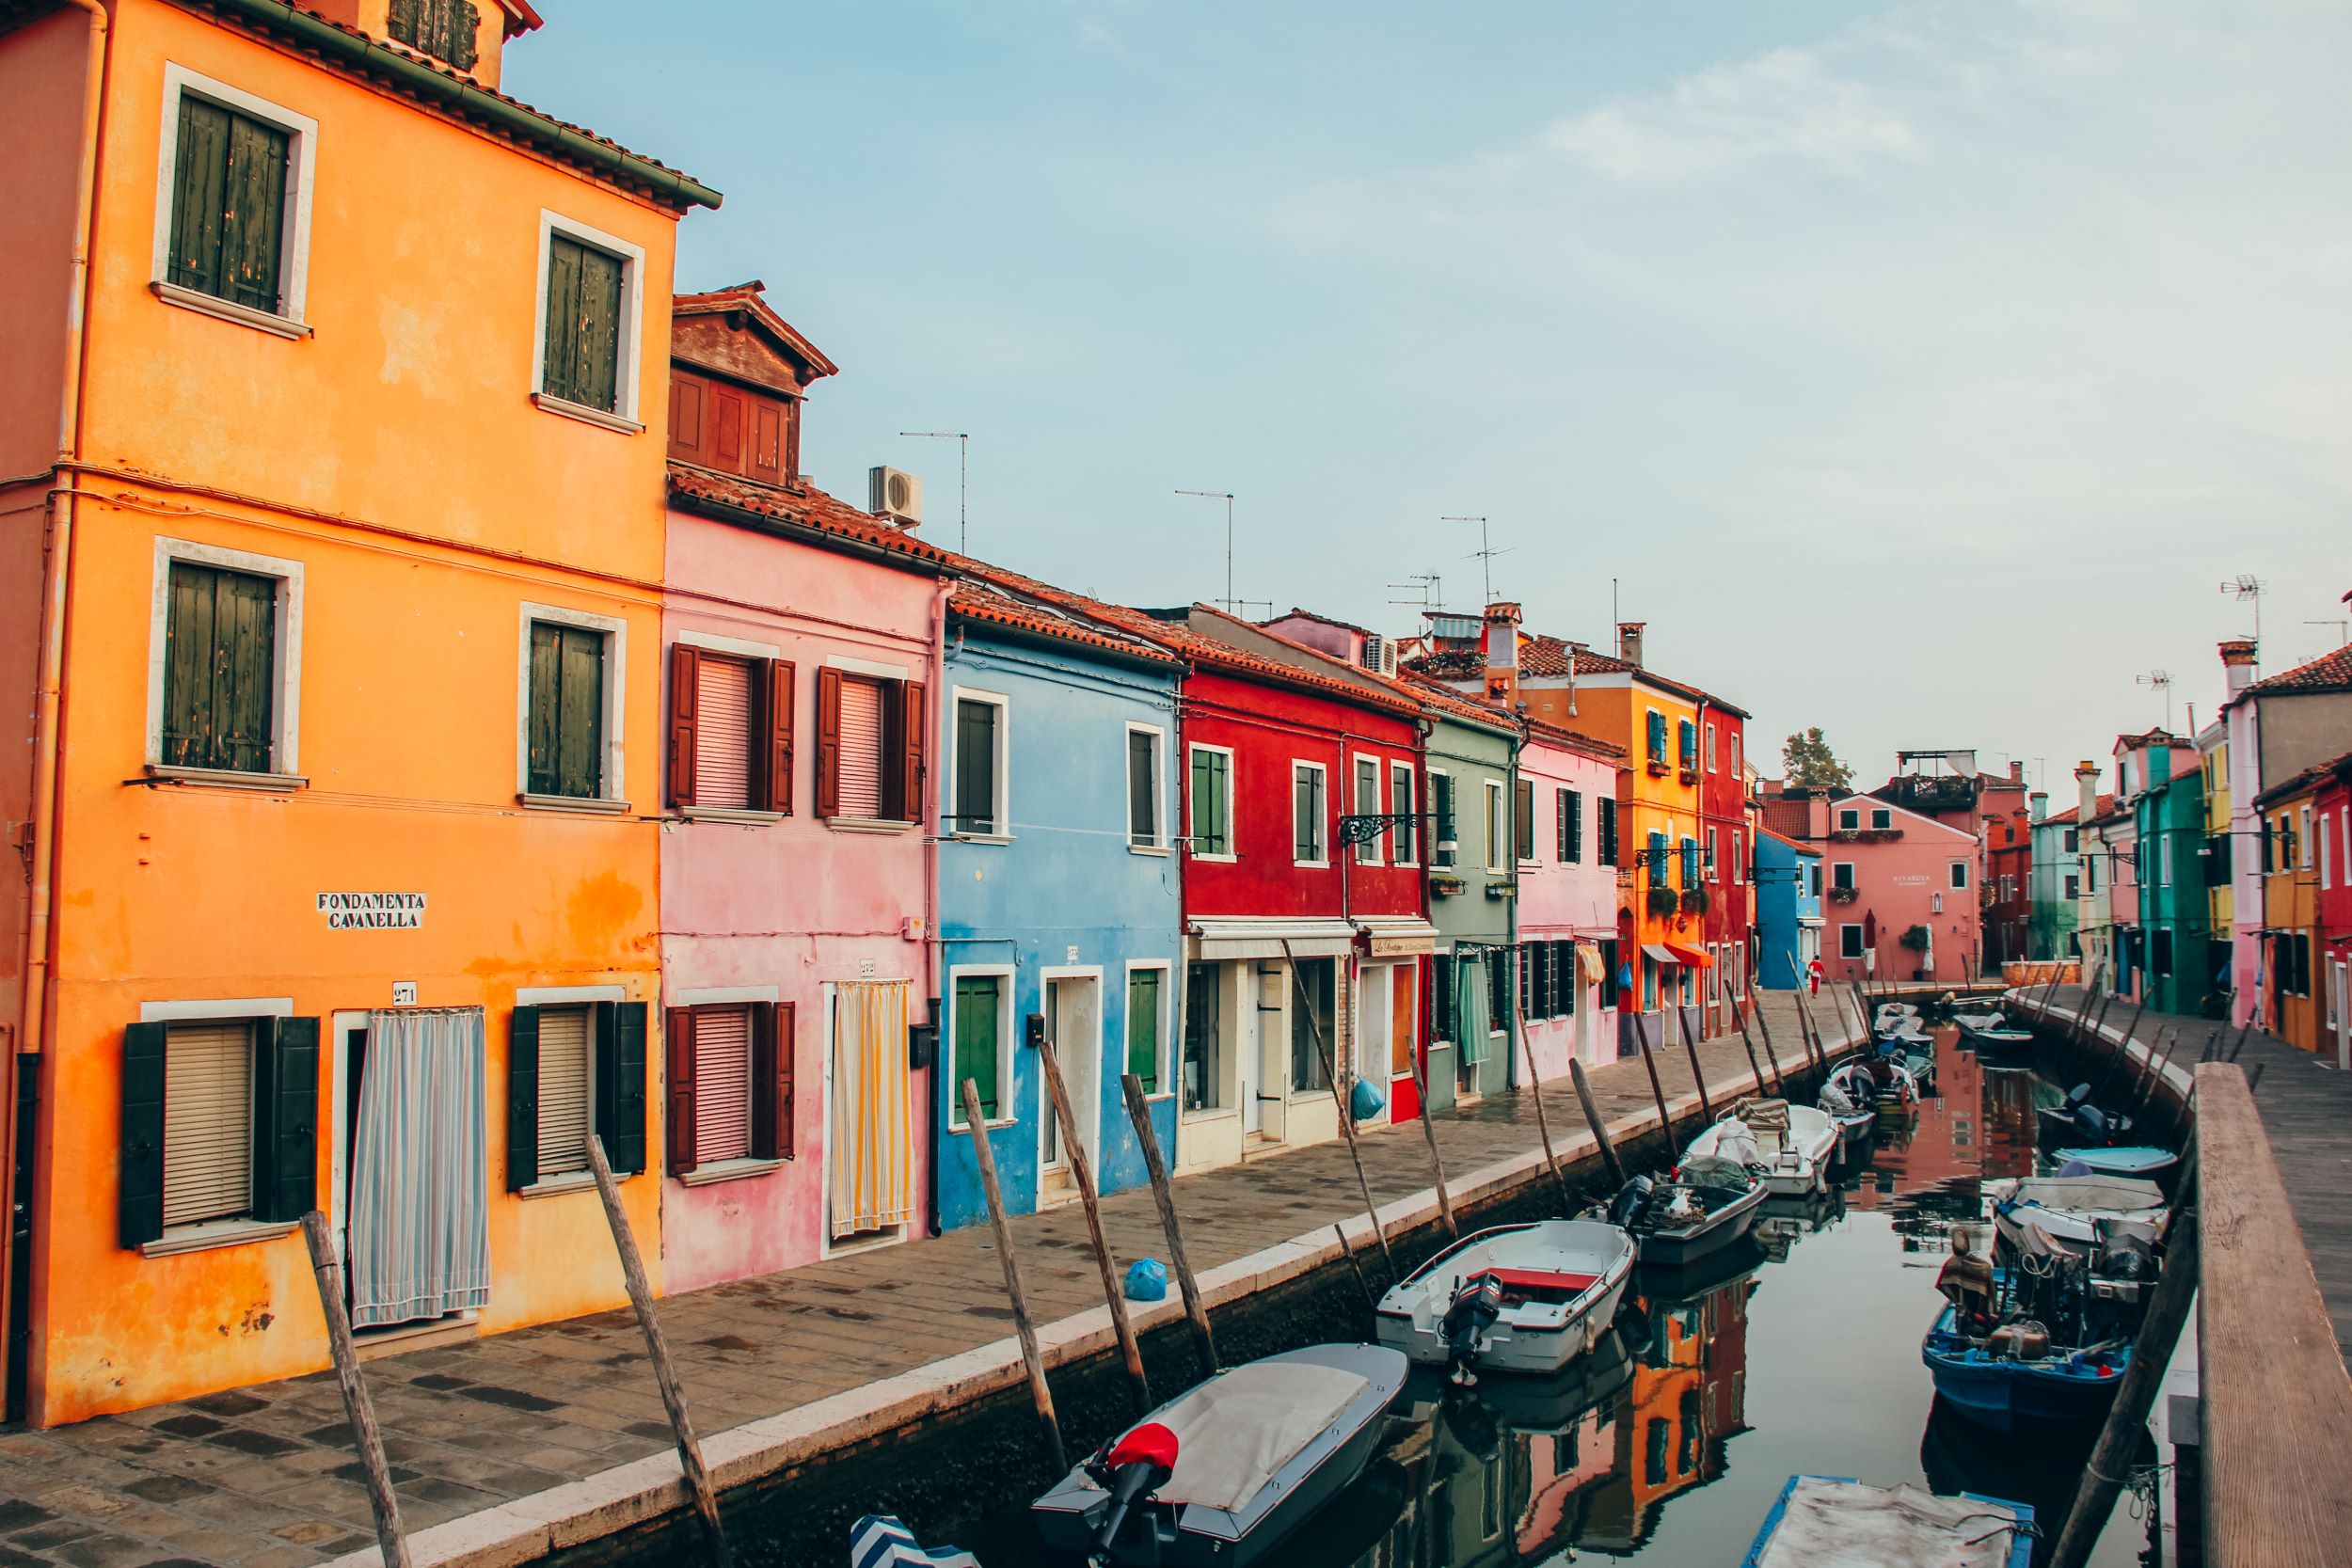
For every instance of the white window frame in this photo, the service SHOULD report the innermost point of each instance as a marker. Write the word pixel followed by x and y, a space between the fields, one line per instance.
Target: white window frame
pixel 2164 859
pixel 1167 1063
pixel 1163 839
pixel 294 229
pixel 1960 876
pixel 1739 861
pixel 2303 837
pixel 1322 819
pixel 1710 746
pixel 1437 826
pixel 1734 754
pixel 1876 812
pixel 1369 852
pixel 632 257
pixel 1499 846
pixel 612 793
pixel 1853 880
pixel 957 697
pixel 1846 827
pixel 1007 1085
pixel 1860 950
pixel 1400 774
pixel 285 660
pixel 1230 853
pixel 1712 871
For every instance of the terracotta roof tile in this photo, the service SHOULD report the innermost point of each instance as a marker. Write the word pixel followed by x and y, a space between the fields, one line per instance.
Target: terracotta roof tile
pixel 1210 653
pixel 1005 598
pixel 807 507
pixel 2328 672
pixel 1590 745
pixel 2312 776
pixel 751 299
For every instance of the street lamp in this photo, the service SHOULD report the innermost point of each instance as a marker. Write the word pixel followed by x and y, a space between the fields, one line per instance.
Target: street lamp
pixel 964 452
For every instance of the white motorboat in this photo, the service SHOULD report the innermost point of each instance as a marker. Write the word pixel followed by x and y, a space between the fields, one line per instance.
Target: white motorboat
pixel 1519 1298
pixel 1992 1019
pixel 1791 1144
pixel 2039 1216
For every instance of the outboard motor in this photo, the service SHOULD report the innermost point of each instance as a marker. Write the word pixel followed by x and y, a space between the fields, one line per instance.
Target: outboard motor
pixel 1631 1200
pixel 1137 1465
pixel 1477 1306
pixel 2092 1122
pixel 2077 1096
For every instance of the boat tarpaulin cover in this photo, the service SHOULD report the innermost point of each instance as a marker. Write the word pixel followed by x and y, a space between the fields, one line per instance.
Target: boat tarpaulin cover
pixel 1234 1430
pixel 1845 1524
pixel 2080 1195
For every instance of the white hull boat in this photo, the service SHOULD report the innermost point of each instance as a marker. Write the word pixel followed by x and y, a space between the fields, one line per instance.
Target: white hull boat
pixel 1521 1298
pixel 1791 1146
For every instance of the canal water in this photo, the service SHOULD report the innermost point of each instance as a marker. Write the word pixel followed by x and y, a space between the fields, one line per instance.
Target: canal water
pixel 1667 1444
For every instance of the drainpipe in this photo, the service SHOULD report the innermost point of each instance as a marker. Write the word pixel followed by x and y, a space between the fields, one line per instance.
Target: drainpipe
pixel 56 574
pixel 939 721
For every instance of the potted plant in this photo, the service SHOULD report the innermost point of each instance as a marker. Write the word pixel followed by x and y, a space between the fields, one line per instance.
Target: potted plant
pixel 1696 899
pixel 1662 901
pixel 1844 894
pixel 1916 939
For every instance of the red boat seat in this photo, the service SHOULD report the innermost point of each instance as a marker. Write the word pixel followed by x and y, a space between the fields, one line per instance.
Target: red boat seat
pixel 1521 1287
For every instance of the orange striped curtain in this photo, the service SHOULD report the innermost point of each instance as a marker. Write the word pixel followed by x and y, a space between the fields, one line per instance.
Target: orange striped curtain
pixel 873 1162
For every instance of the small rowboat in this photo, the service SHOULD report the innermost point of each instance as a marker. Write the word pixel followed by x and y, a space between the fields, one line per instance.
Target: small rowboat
pixel 1218 1476
pixel 2144 1161
pixel 1998 1039
pixel 1701 1208
pixel 1792 1144
pixel 1832 1522
pixel 1519 1298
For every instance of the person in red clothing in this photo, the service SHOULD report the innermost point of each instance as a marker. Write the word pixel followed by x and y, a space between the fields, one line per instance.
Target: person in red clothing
pixel 1813 975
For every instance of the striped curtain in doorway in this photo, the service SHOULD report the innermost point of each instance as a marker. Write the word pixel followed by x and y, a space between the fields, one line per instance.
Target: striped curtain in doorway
pixel 873 1174
pixel 420 1231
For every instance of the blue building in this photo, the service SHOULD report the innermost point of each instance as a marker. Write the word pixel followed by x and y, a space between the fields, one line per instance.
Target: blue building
pixel 1060 891
pixel 1788 909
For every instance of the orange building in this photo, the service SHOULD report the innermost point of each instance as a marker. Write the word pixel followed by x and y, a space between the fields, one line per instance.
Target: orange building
pixel 331 543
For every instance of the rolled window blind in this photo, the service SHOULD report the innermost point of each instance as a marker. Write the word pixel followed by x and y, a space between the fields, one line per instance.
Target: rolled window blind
pixel 564 1049
pixel 207 1122
pixel 860 749
pixel 722 1083
pixel 722 731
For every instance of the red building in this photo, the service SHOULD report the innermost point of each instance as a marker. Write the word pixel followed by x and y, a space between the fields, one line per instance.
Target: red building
pixel 1290 934
pixel 2007 884
pixel 2333 826
pixel 1726 845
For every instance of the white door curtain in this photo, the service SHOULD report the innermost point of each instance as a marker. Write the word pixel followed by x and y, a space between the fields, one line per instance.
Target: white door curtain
pixel 420 1219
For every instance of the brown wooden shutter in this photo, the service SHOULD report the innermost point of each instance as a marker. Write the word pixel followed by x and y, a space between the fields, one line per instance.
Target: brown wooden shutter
pixel 687 393
pixel 727 428
pixel 679 1123
pixel 778 784
pixel 684 672
pixel 902 754
pixel 773 1039
pixel 765 460
pixel 828 742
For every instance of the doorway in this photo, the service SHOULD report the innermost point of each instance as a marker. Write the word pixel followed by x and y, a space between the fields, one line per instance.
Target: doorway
pixel 869 1169
pixel 1073 1022
pixel 410 1167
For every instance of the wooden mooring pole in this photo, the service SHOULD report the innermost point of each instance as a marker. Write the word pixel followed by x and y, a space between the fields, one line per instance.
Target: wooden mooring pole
pixel 1163 1195
pixel 1082 1172
pixel 1429 1134
pixel 390 1540
pixel 1032 1359
pixel 1370 1305
pixel 1339 1098
pixel 1543 1122
pixel 1815 1056
pixel 1771 1052
pixel 1658 1092
pixel 1600 1134
pixel 1732 1001
pixel 690 1450
pixel 1699 1075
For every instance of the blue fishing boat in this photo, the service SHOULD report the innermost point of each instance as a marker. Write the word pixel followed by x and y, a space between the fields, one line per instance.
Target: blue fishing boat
pixel 1836 1522
pixel 2013 1377
pixel 2144 1161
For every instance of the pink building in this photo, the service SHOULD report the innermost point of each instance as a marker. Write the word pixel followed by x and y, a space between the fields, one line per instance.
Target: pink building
pixel 799 638
pixel 1899 893
pixel 1568 897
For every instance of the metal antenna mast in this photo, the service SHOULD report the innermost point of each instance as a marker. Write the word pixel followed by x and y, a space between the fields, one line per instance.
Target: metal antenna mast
pixel 2162 681
pixel 1484 555
pixel 2248 587
pixel 963 469
pixel 1232 605
pixel 1426 588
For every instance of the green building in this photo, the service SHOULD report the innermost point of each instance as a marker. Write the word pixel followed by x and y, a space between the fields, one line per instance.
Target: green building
pixel 2053 886
pixel 1472 788
pixel 2175 915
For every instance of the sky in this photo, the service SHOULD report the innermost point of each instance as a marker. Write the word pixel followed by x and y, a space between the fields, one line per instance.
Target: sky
pixel 1916 369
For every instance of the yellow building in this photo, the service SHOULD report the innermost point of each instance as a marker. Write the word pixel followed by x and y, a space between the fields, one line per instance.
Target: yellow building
pixel 2292 961
pixel 2213 746
pixel 333 546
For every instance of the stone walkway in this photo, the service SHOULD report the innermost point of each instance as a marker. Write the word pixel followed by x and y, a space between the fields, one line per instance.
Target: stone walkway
pixel 265 1476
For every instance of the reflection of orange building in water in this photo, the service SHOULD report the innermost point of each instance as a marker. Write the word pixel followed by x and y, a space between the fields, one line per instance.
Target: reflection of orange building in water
pixel 1687 1400
pixel 1972 1128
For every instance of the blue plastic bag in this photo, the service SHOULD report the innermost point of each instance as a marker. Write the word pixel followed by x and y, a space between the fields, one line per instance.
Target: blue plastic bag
pixel 1147 1280
pixel 1365 1101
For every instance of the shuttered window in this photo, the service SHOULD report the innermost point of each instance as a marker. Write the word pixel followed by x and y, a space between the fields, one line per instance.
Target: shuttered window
pixel 566 720
pixel 228 206
pixel 1143 789
pixel 722 1083
pixel 1606 810
pixel 444 29
pixel 861 748
pixel 1143 1026
pixel 722 731
pixel 1407 835
pixel 583 325
pixel 565 1078
pixel 220 668
pixel 208 1121
pixel 1441 801
pixel 1307 824
pixel 977 731
pixel 1211 802
pixel 1523 817
pixel 1367 804
pixel 978 1026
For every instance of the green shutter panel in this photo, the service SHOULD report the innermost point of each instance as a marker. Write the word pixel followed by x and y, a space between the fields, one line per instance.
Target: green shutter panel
pixel 580 719
pixel 245 638
pixel 188 666
pixel 540 722
pixel 252 220
pixel 599 362
pixel 196 197
pixel 621 1085
pixel 286 1119
pixel 559 369
pixel 522 1098
pixel 139 1200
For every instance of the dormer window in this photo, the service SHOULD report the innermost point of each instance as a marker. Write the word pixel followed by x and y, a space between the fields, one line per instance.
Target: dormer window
pixel 733 429
pixel 444 29
pixel 738 376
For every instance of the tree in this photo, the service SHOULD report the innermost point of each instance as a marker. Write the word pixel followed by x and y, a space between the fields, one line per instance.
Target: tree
pixel 1808 763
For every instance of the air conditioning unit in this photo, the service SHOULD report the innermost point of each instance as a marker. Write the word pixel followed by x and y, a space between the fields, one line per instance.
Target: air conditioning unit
pixel 1379 653
pixel 895 495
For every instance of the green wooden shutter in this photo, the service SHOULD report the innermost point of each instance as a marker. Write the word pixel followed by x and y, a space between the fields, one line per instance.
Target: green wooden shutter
pixel 202 163
pixel 220 640
pixel 1143 1027
pixel 522 1098
pixel 253 224
pixel 583 325
pixel 139 1198
pixel 286 1119
pixel 621 1085
pixel 976 1028
pixel 565 725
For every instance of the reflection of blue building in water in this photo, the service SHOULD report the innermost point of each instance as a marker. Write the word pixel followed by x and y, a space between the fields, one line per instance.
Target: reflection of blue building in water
pixel 1060 891
pixel 1788 909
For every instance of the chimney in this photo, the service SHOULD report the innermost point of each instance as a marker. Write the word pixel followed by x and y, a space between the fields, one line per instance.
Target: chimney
pixel 2237 663
pixel 2038 804
pixel 1503 652
pixel 1629 641
pixel 2016 771
pixel 2086 792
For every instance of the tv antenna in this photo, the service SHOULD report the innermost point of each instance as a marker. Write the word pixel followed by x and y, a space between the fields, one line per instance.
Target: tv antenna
pixel 2246 586
pixel 1427 591
pixel 1230 605
pixel 2160 680
pixel 962 439
pixel 1484 555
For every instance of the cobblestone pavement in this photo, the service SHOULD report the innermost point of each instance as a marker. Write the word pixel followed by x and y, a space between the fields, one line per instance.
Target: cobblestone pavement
pixel 266 1477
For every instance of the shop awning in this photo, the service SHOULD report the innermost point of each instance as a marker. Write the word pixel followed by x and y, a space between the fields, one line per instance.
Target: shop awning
pixel 1263 937
pixel 1402 936
pixel 1653 951
pixel 1690 956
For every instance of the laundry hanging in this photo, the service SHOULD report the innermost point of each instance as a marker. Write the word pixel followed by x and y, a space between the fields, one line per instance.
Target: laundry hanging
pixel 872 1157
pixel 419 1220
